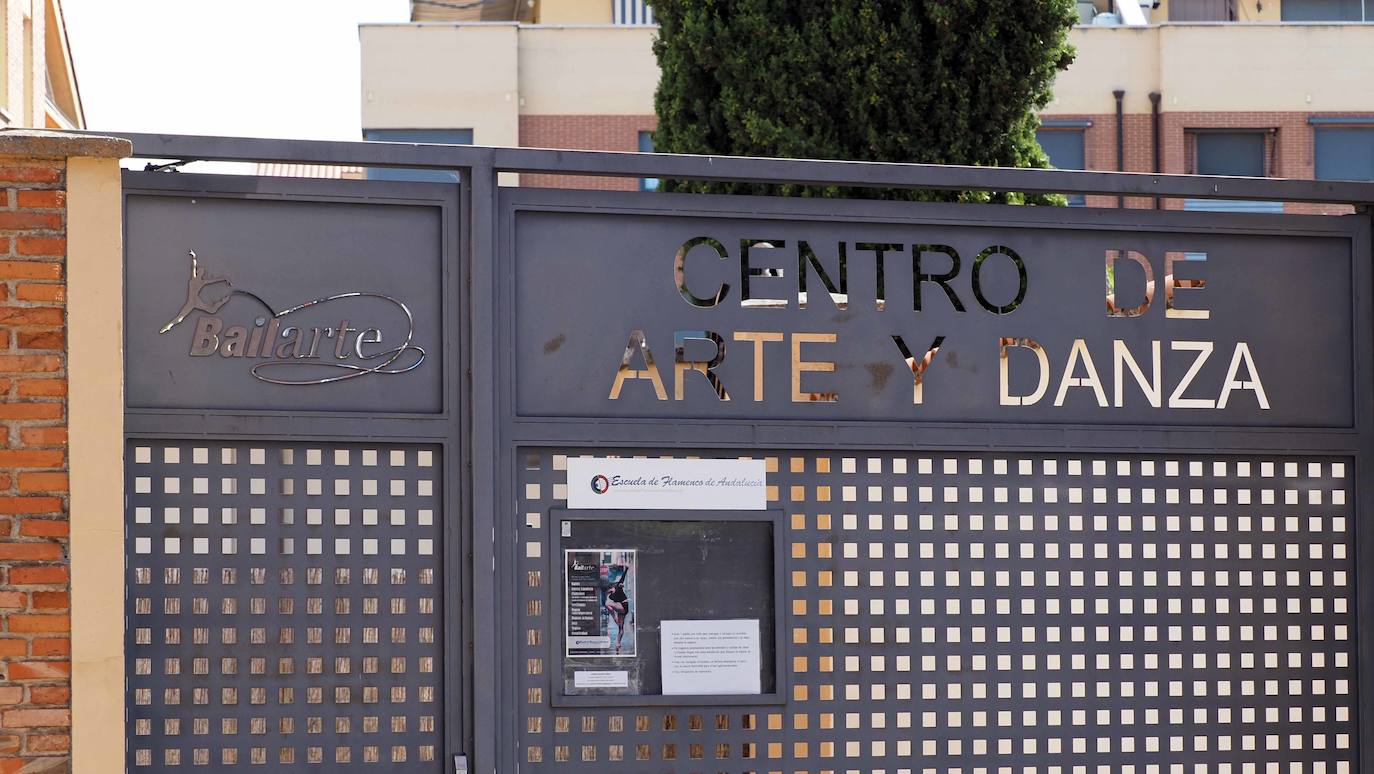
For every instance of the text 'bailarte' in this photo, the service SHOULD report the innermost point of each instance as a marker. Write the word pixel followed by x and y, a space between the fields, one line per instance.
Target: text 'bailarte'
pixel 283 345
pixel 1113 376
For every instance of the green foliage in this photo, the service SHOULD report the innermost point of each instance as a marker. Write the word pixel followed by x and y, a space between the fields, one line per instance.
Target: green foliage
pixel 929 81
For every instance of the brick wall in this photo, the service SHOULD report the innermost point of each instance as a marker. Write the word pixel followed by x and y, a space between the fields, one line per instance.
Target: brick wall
pixel 35 666
pixel 1293 157
pixel 610 133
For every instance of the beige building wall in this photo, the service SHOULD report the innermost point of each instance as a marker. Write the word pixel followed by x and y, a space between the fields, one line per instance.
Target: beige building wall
pixel 574 12
pixel 38 83
pixel 442 76
pixel 606 70
pixel 485 76
pixel 1220 68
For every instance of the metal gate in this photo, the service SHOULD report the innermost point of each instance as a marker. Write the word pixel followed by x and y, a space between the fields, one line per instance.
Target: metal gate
pixel 1041 489
pixel 293 552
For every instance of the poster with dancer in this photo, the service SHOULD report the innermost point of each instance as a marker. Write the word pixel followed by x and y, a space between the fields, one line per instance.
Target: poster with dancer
pixel 600 604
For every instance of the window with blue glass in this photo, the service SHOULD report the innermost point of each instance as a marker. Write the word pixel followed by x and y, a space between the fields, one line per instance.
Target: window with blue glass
pixel 430 136
pixel 1064 146
pixel 646 145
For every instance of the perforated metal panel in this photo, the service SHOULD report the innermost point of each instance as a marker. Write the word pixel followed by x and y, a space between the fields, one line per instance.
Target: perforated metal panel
pixel 1012 612
pixel 284 606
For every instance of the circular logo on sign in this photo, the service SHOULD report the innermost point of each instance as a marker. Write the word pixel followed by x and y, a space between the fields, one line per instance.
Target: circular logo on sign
pixel 600 484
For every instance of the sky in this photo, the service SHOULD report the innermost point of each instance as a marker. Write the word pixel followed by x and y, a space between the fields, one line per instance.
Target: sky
pixel 254 68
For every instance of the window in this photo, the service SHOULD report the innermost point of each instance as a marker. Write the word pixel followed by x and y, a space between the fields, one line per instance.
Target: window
pixel 1064 146
pixel 1345 152
pixel 1244 153
pixel 646 145
pixel 1327 10
pixel 1203 10
pixel 631 12
pixel 437 136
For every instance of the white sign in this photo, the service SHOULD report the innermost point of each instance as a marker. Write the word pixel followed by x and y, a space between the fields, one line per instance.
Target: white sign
pixel 601 678
pixel 697 485
pixel 708 657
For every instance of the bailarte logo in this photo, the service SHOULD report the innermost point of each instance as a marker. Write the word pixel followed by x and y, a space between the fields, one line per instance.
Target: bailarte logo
pixel 600 484
pixel 290 348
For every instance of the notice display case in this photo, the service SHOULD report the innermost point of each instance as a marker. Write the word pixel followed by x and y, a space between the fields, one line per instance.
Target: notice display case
pixel 667 607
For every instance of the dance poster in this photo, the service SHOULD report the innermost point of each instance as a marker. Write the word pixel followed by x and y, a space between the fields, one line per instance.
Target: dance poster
pixel 600 603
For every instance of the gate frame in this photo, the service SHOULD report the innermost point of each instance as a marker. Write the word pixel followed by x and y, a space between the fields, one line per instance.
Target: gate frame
pixel 489 478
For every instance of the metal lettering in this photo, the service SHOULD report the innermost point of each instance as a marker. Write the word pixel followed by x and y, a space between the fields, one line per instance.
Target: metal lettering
pixel 879 250
pixel 206 340
pixel 1251 382
pixel 340 351
pixel 918 367
pixel 638 343
pixel 919 278
pixel 1006 398
pixel 1151 387
pixel 759 338
pixel 234 341
pixel 977 273
pixel 800 366
pixel 1078 353
pixel 366 336
pixel 255 338
pixel 680 272
pixel 1113 287
pixel 1172 282
pixel 290 345
pixel 1203 350
pixel 746 272
pixel 807 257
pixel 287 349
pixel 681 365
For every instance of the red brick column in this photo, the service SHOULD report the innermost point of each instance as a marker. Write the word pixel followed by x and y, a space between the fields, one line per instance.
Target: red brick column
pixel 35 670
pixel 35 570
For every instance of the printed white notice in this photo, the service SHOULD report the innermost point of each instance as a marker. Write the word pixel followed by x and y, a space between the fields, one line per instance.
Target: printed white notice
pixel 697 485
pixel 601 678
pixel 707 657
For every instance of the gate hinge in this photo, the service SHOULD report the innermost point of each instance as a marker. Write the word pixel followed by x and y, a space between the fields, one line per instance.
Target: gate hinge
pixel 460 764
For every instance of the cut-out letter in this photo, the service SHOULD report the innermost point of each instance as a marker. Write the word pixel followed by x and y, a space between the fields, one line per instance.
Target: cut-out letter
pixel 759 338
pixel 649 372
pixel 680 272
pixel 918 366
pixel 1007 399
pixel 681 365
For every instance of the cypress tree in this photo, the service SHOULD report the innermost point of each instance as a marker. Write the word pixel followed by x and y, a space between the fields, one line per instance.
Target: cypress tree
pixel 930 81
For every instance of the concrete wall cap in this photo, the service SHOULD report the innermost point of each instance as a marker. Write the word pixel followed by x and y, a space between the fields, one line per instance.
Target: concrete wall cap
pixel 46 144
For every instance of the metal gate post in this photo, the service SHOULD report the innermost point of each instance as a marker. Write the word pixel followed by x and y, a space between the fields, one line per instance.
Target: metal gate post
pixel 1364 528
pixel 486 469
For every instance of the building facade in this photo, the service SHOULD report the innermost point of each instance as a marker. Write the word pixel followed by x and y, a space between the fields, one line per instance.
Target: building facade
pixel 38 88
pixel 1242 87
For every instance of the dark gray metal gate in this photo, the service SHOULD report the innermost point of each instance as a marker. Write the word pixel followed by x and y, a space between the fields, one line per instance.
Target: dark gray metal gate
pixel 979 569
pixel 294 555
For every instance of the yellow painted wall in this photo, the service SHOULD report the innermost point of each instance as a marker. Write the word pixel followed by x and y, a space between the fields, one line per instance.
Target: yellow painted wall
pixel 95 303
pixel 574 12
pixel 587 70
pixel 442 76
